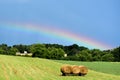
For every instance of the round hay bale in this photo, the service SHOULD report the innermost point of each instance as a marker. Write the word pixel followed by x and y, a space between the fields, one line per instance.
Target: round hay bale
pixel 75 69
pixel 83 70
pixel 66 69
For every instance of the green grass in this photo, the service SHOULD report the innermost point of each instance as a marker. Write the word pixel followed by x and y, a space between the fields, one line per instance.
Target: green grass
pixel 26 68
pixel 105 67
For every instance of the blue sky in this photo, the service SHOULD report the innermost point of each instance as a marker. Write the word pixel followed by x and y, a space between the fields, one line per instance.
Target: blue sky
pixel 96 19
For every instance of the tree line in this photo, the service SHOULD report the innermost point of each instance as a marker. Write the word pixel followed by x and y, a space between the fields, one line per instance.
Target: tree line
pixel 56 51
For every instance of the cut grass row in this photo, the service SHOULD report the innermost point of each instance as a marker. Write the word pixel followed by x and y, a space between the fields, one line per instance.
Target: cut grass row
pixel 24 68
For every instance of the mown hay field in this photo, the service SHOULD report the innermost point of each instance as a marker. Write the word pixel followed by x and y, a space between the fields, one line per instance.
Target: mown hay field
pixel 26 68
pixel 104 67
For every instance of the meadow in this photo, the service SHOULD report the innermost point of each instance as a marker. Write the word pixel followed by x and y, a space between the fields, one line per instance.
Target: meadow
pixel 26 68
pixel 104 67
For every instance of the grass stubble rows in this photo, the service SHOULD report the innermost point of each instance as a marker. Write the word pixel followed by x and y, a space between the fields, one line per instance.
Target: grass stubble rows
pixel 26 68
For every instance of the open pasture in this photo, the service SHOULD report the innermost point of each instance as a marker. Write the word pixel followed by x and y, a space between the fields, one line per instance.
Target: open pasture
pixel 26 68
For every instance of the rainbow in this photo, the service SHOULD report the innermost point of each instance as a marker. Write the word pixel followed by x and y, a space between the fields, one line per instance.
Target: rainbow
pixel 62 34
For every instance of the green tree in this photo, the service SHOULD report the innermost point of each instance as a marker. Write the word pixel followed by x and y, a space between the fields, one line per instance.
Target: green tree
pixel 116 54
pixel 22 48
pixel 96 54
pixel 38 50
pixel 55 53
pixel 107 57
pixel 54 45
pixel 72 49
pixel 13 51
pixel 2 51
pixel 84 55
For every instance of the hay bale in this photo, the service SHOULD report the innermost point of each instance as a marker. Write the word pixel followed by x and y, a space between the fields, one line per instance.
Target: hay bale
pixel 83 70
pixel 66 70
pixel 75 69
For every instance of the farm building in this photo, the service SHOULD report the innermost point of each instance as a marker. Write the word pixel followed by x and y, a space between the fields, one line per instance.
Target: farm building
pixel 23 54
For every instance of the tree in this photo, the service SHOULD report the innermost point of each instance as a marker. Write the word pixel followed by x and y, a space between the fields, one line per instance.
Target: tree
pixel 1 51
pixel 55 53
pixel 116 54
pixel 72 49
pixel 22 48
pixel 38 50
pixel 54 45
pixel 107 57
pixel 82 48
pixel 4 49
pixel 96 54
pixel 84 55
pixel 13 51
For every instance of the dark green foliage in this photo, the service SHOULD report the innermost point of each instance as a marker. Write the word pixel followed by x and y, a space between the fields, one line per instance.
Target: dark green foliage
pixel 96 55
pixel 56 51
pixel 12 51
pixel 116 54
pixel 84 55
pixel 21 48
pixel 7 50
pixel 107 57
pixel 54 45
pixel 38 50
pixel 73 49
pixel 4 49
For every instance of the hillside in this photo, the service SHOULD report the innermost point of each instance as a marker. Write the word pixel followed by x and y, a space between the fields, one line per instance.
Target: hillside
pixel 25 68
pixel 104 67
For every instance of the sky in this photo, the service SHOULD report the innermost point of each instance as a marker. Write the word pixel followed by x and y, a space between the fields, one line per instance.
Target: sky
pixel 96 20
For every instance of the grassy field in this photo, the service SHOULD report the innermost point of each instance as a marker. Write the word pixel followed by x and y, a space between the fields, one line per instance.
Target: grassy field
pixel 25 68
pixel 104 67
